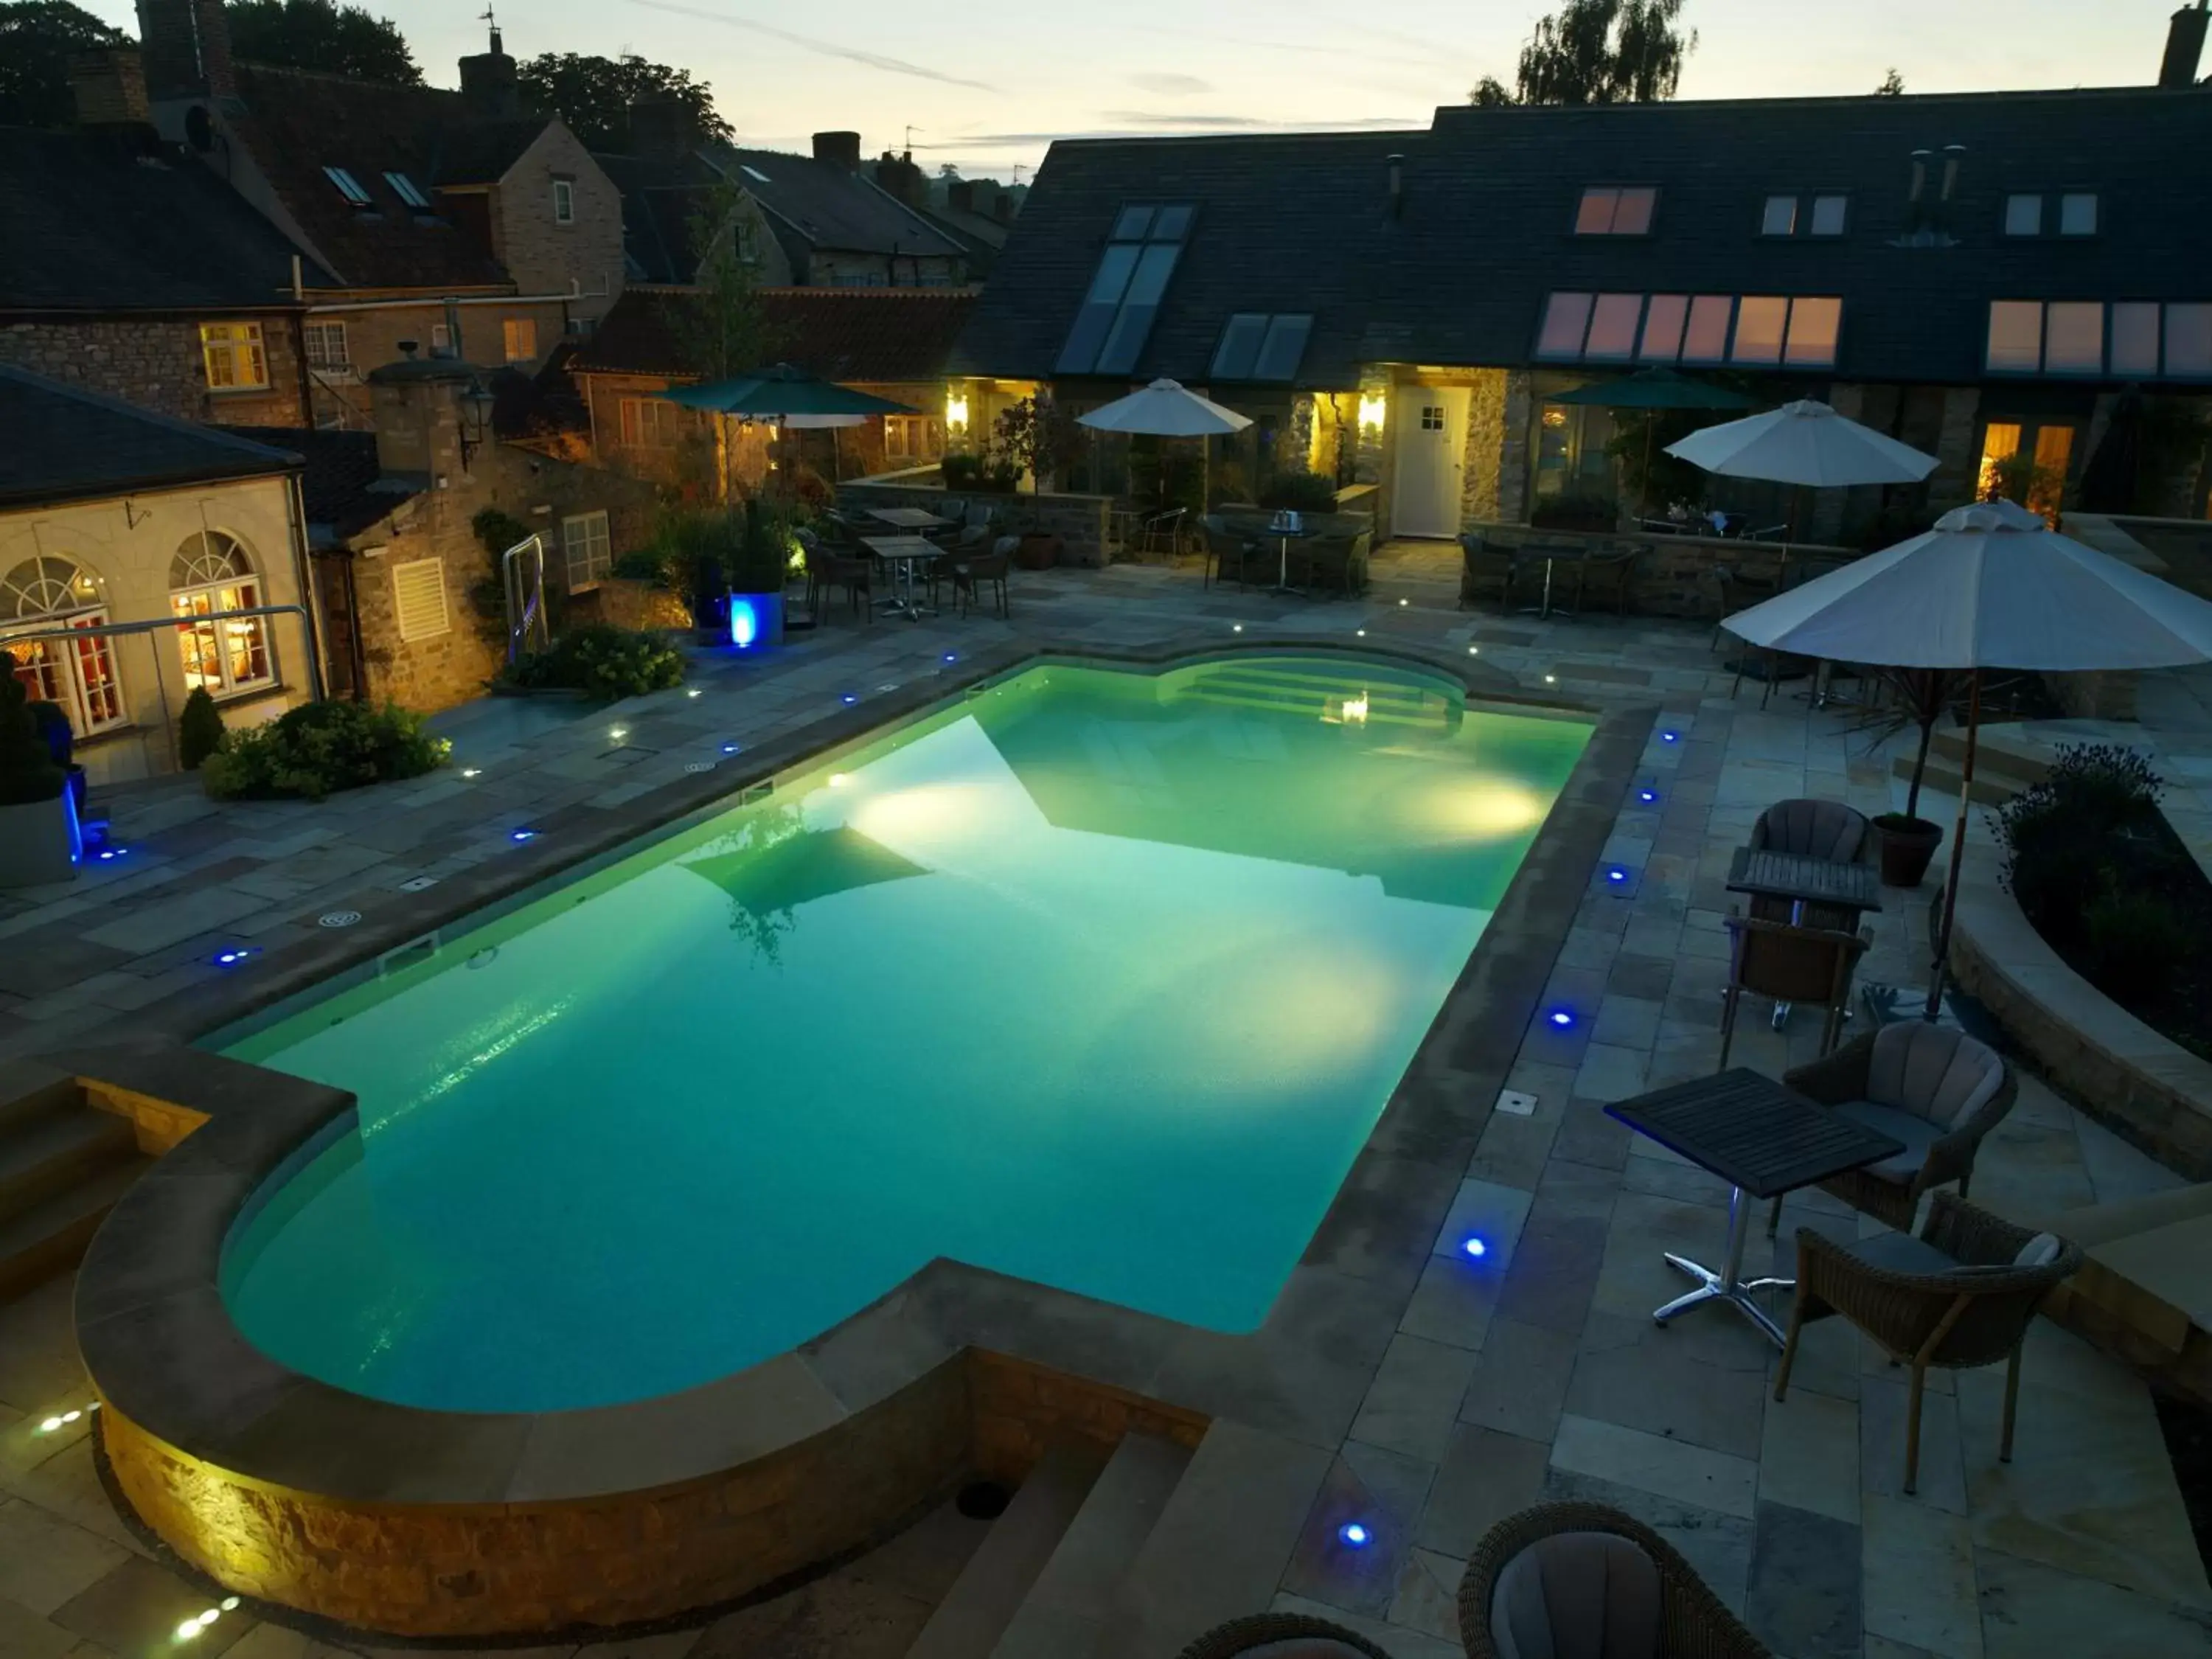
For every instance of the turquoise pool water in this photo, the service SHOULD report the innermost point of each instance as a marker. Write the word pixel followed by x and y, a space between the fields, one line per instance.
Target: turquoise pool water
pixel 1096 978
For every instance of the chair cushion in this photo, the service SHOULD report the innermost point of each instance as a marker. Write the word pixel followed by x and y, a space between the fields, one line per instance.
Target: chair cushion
pixel 1917 1133
pixel 1899 1253
pixel 1943 1076
pixel 1577 1595
pixel 2039 1251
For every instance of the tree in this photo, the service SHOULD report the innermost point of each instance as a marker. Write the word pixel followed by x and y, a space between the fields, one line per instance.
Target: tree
pixel 721 328
pixel 593 95
pixel 1893 85
pixel 1598 52
pixel 36 39
pixel 323 36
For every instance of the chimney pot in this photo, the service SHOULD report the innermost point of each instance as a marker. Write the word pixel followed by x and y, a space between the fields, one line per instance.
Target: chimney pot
pixel 110 88
pixel 2184 47
pixel 1952 154
pixel 1002 207
pixel 839 149
pixel 489 83
pixel 960 195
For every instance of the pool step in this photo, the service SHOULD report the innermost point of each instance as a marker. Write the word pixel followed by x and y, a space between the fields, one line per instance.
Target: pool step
pixel 62 1165
pixel 1066 1607
pixel 1282 691
pixel 990 1589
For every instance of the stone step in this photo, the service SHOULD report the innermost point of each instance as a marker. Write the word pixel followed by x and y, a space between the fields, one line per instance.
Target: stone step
pixel 984 1598
pixel 1943 778
pixel 43 1241
pixel 1066 1607
pixel 40 1157
pixel 1222 1544
pixel 36 1101
pixel 2000 751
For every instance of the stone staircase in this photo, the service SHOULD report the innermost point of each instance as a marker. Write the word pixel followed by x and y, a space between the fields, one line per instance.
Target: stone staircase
pixel 2006 762
pixel 1128 1555
pixel 1322 695
pixel 63 1166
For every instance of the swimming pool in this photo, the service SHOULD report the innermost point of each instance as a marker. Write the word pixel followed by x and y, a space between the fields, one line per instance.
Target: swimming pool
pixel 1096 978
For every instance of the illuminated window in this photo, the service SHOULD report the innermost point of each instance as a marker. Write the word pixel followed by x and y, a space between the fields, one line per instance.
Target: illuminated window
pixel 587 550
pixel 2077 214
pixel 2015 344
pixel 1780 217
pixel 325 344
pixel 1704 340
pixel 649 424
pixel 210 574
pixel 348 186
pixel 1611 211
pixel 1814 324
pixel 912 440
pixel 404 188
pixel 2135 339
pixel 1566 319
pixel 79 675
pixel 2023 216
pixel 1662 327
pixel 1125 293
pixel 1829 215
pixel 519 336
pixel 2189 340
pixel 1761 323
pixel 564 202
pixel 233 356
pixel 1612 326
pixel 2074 338
pixel 2000 443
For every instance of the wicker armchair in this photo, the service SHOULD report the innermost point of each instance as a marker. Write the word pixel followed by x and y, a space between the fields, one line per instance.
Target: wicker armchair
pixel 827 567
pixel 1960 1295
pixel 1302 1638
pixel 1809 967
pixel 1610 570
pixel 1493 569
pixel 1813 830
pixel 970 572
pixel 1569 1555
pixel 1938 1091
pixel 1227 549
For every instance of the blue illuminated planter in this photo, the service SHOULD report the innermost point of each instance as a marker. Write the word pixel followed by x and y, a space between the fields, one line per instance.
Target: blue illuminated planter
pixel 756 621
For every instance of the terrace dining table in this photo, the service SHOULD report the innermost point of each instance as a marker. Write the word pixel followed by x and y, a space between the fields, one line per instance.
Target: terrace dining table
pixel 1804 880
pixel 1764 1139
pixel 913 520
pixel 900 554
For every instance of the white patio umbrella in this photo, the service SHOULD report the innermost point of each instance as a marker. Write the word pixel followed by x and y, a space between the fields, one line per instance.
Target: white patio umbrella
pixel 1169 409
pixel 1804 443
pixel 1990 587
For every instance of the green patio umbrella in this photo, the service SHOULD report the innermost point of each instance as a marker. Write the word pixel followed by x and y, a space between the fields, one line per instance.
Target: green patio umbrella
pixel 792 398
pixel 1652 390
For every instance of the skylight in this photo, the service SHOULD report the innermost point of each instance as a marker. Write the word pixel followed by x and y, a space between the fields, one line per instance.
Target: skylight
pixel 404 188
pixel 1124 293
pixel 1607 210
pixel 1260 346
pixel 348 186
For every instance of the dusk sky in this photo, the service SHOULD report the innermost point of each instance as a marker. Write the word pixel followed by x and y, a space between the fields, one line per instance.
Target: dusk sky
pixel 988 83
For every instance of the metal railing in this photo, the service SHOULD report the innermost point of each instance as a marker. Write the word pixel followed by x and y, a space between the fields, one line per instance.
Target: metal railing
pixel 528 627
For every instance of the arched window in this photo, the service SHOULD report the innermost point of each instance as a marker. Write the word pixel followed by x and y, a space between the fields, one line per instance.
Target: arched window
pixel 213 573
pixel 44 592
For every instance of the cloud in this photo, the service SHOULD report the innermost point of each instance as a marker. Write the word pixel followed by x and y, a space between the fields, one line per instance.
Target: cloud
pixel 1132 124
pixel 827 48
pixel 1138 118
pixel 1172 85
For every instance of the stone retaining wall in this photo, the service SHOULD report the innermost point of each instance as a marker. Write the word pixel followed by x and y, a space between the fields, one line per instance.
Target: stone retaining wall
pixel 1079 521
pixel 1675 575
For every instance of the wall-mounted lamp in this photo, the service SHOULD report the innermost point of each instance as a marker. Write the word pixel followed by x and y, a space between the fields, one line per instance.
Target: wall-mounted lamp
pixel 1372 412
pixel 956 411
pixel 476 405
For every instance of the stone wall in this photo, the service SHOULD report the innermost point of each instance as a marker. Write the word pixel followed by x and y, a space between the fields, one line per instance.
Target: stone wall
pixel 1480 494
pixel 342 396
pixel 544 256
pixel 1957 476
pixel 1675 575
pixel 155 362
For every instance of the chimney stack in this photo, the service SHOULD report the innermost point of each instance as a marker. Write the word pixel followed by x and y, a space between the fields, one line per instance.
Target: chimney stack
pixel 186 46
pixel 898 175
pixel 663 129
pixel 839 149
pixel 960 195
pixel 488 84
pixel 110 88
pixel 1002 207
pixel 2184 46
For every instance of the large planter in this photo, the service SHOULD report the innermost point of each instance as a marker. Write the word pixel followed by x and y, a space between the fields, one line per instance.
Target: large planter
pixel 755 620
pixel 39 841
pixel 1908 847
pixel 1039 550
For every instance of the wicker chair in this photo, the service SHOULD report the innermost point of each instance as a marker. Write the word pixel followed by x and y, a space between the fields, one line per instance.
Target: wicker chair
pixel 1813 830
pixel 1282 1636
pixel 1810 966
pixel 1613 569
pixel 1960 1295
pixel 1491 570
pixel 1937 1090
pixel 827 569
pixel 971 572
pixel 1537 1578
pixel 1338 564
pixel 1227 549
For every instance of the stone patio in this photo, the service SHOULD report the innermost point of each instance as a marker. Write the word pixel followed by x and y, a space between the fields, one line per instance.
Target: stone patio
pixel 1536 1372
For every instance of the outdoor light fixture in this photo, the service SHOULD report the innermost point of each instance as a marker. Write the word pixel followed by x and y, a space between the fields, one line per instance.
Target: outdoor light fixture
pixel 730 748
pixel 745 624
pixel 849 698
pixel 1616 875
pixel 618 732
pixel 231 957
pixel 1237 628
pixel 1360 632
pixel 472 771
pixel 1551 679
pixel 1647 796
pixel 1372 412
pixel 1354 1534
pixel 956 411
pixel 1474 1246
pixel 1561 1017
pixel 694 692
pixel 522 835
pixel 1670 737
pixel 476 404
pixel 1474 651
pixel 949 656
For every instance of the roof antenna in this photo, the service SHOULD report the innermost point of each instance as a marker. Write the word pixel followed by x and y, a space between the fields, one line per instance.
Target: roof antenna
pixel 493 23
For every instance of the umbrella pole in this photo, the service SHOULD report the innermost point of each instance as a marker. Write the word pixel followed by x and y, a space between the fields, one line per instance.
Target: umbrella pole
pixel 1957 852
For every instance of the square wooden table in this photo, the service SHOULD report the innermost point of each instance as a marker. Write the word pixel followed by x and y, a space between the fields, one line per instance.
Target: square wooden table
pixel 1764 1139
pixel 1803 880
pixel 908 517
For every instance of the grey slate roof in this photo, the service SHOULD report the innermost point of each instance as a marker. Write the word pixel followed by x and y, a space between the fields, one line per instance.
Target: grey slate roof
pixel 816 204
pixel 1302 223
pixel 660 199
pixel 62 443
pixel 94 221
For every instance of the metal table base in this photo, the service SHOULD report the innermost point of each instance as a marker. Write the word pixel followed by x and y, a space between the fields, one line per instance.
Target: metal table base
pixel 1729 1284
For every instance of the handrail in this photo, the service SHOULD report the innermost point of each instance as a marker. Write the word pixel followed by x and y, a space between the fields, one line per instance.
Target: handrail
pixel 101 630
pixel 531 623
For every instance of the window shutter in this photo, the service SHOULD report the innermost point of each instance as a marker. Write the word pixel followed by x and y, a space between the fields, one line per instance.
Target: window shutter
pixel 418 599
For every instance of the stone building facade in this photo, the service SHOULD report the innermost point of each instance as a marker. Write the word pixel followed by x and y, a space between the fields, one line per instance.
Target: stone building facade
pixel 158 362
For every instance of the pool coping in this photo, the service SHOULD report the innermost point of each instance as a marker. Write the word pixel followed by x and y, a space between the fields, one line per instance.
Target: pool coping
pixel 173 1369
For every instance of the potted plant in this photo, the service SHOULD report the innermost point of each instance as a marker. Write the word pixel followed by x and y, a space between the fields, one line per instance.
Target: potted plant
pixel 1908 840
pixel 40 841
pixel 1036 437
pixel 52 721
pixel 758 570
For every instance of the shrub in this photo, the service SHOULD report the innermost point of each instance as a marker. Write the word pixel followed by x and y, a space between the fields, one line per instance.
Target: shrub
pixel 2133 945
pixel 762 560
pixel 27 772
pixel 320 748
pixel 1577 510
pixel 643 564
pixel 810 490
pixel 1299 492
pixel 2091 828
pixel 603 661
pixel 199 729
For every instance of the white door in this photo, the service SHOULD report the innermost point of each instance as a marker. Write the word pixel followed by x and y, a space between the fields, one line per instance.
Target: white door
pixel 1431 424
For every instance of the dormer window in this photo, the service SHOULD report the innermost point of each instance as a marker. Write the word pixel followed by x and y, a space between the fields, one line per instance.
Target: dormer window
pixel 1615 210
pixel 2077 214
pixel 1125 293
pixel 404 188
pixel 348 187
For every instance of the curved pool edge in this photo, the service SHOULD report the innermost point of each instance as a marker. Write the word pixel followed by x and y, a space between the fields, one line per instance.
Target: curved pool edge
pixel 423 1523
